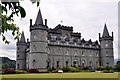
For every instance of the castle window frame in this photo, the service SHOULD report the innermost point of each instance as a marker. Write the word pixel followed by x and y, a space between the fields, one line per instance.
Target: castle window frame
pixel 18 56
pixel 49 50
pixel 83 54
pixel 107 54
pixel 18 48
pixel 18 66
pixel 97 54
pixel 67 53
pixel 75 53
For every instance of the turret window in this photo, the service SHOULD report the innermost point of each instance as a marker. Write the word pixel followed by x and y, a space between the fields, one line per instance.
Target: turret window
pixel 18 66
pixel 18 56
pixel 106 45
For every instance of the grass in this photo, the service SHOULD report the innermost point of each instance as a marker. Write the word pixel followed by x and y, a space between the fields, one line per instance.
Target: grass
pixel 61 76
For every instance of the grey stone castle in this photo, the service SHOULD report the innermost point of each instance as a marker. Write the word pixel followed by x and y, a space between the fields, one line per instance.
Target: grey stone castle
pixel 60 47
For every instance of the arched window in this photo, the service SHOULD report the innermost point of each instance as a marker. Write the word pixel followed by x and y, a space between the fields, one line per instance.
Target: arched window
pixel 34 62
pixel 75 63
pixel 90 63
pixel 107 64
pixel 67 63
pixel 67 52
pixel 17 66
pixel 97 54
pixel 18 56
pixel 58 63
pixel 83 54
pixel 75 53
pixel 49 50
pixel 83 63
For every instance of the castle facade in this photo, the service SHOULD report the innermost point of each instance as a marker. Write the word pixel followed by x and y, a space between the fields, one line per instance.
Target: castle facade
pixel 60 47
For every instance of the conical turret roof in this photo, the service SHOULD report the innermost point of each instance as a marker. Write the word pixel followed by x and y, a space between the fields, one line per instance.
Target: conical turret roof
pixel 105 32
pixel 22 39
pixel 39 19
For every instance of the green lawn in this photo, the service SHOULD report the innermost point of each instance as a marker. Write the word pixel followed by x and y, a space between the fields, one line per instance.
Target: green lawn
pixel 63 76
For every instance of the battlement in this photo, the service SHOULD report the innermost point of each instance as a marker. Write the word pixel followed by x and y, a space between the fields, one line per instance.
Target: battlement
pixel 63 27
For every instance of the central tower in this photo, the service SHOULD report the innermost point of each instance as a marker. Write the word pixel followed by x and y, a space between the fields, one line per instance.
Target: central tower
pixel 38 44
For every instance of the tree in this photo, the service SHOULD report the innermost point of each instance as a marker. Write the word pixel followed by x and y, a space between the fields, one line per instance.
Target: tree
pixel 7 20
pixel 117 66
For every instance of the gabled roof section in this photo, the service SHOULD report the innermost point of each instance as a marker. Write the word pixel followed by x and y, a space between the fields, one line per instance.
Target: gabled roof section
pixel 22 39
pixel 39 19
pixel 105 32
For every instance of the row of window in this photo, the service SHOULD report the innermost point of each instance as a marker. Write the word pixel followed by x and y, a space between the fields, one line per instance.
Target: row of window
pixel 75 53
pixel 67 43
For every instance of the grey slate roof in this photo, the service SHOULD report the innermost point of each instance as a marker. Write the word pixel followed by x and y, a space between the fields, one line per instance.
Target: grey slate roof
pixel 39 19
pixel 105 32
pixel 22 39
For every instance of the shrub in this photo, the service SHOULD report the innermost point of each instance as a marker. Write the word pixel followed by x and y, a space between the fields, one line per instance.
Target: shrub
pixel 65 69
pixel 9 71
pixel 107 71
pixel 100 68
pixel 92 70
pixel 85 68
pixel 108 67
pixel 43 71
pixel 33 71
pixel 50 70
pixel 55 71
pixel 117 67
pixel 78 69
pixel 72 69
pixel 20 72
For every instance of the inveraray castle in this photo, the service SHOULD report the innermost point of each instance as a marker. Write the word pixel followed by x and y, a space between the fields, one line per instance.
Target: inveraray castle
pixel 60 47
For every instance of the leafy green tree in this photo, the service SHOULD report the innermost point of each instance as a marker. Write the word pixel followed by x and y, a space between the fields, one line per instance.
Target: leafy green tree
pixel 7 22
pixel 117 66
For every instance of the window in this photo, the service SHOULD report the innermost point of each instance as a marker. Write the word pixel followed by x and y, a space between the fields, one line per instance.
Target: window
pixel 97 54
pixel 34 36
pixel 18 66
pixel 83 63
pixel 90 46
pixel 91 63
pixel 75 53
pixel 106 45
pixel 83 53
pixel 107 64
pixel 18 55
pixel 97 64
pixel 58 64
pixel 107 54
pixel 18 48
pixel 75 63
pixel 67 52
pixel 34 62
pixel 48 50
pixel 67 63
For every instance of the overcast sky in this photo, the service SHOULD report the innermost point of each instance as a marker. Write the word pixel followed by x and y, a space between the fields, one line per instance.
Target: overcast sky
pixel 86 16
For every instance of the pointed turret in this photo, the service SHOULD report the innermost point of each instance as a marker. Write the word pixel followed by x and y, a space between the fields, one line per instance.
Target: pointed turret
pixel 22 39
pixel 39 19
pixel 105 32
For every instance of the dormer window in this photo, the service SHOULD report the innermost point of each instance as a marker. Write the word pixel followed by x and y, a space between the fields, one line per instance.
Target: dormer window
pixel 90 46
